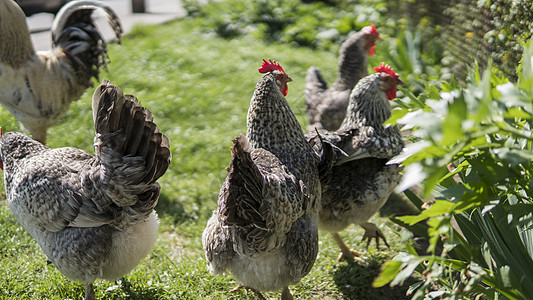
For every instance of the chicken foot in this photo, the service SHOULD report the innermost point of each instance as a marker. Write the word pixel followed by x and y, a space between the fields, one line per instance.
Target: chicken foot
pixel 373 232
pixel 346 252
pixel 256 292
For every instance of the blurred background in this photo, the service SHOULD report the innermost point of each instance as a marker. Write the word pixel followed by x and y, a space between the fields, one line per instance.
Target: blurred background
pixel 455 33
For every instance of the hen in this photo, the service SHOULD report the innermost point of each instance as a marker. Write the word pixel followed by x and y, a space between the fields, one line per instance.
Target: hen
pixel 326 107
pixel 93 216
pixel 264 230
pixel 361 180
pixel 38 87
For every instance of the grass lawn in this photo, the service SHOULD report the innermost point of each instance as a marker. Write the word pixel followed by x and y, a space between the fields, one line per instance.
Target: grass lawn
pixel 198 87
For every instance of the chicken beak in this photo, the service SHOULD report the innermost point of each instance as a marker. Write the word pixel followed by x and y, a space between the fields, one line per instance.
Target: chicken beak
pixel 398 81
pixel 289 79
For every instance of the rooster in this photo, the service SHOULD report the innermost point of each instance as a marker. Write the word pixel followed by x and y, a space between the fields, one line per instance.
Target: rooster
pixel 326 107
pixel 360 181
pixel 264 230
pixel 38 87
pixel 93 216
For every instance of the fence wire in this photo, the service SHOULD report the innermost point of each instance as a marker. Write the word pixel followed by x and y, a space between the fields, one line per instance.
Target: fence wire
pixel 476 30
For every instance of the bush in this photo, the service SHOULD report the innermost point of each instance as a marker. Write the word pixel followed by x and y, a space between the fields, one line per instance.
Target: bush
pixel 473 156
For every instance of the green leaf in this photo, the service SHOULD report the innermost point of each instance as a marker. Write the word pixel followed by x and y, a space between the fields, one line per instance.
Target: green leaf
pixel 395 116
pixel 433 92
pixel 406 271
pixel 439 208
pixel 389 270
pixel 452 128
pixel 414 198
pixel 514 157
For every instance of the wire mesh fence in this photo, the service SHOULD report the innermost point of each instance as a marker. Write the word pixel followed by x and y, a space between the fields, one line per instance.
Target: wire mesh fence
pixel 476 30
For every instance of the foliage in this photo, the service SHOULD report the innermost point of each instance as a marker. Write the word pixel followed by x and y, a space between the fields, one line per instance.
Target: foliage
pixel 473 155
pixel 411 48
pixel 316 24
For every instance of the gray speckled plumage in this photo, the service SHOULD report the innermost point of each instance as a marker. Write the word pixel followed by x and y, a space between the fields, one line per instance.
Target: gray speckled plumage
pixel 38 87
pixel 360 180
pixel 93 216
pixel 265 228
pixel 326 107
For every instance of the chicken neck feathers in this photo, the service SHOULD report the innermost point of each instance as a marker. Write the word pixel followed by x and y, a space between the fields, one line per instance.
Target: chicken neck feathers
pixel 326 107
pixel 271 124
pixel 352 63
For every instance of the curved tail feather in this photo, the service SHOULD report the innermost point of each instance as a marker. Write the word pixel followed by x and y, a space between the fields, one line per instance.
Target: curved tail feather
pixel 75 32
pixel 126 129
pixel 315 85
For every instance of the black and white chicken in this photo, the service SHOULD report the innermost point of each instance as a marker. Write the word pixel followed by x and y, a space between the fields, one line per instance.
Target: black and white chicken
pixel 92 215
pixel 361 179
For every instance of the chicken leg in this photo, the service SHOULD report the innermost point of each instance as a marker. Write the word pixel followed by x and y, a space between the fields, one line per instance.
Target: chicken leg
pixel 373 232
pixel 346 252
pixel 40 135
pixel 256 292
pixel 286 294
pixel 89 292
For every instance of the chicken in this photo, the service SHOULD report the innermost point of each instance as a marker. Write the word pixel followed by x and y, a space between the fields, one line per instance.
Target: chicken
pixel 265 230
pixel 326 107
pixel 360 181
pixel 93 216
pixel 38 87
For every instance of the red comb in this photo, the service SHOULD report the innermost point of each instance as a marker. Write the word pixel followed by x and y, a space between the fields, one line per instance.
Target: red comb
pixel 269 66
pixel 383 68
pixel 370 29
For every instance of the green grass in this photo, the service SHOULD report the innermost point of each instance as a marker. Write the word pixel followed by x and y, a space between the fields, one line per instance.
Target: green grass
pixel 198 87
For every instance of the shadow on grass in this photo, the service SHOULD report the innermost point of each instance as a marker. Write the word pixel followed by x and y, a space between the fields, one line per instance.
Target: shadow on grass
pixel 354 281
pixel 167 206
pixel 124 289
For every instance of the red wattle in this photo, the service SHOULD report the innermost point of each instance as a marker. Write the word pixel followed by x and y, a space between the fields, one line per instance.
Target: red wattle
pixel 372 50
pixel 391 93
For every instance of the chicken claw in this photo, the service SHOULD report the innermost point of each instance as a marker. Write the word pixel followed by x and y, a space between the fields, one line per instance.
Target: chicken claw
pixel 373 232
pixel 346 252
pixel 256 292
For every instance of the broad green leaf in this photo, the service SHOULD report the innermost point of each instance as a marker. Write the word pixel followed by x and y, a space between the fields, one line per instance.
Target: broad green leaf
pixel 452 128
pixel 414 198
pixel 514 157
pixel 440 207
pixel 395 116
pixel 433 92
pixel 406 271
pixel 433 178
pixel 413 175
pixel 389 270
